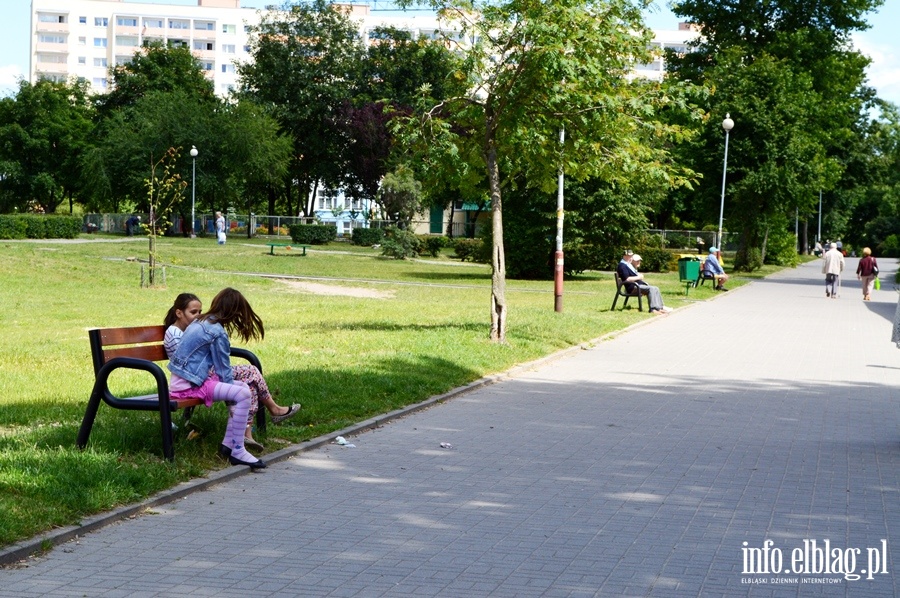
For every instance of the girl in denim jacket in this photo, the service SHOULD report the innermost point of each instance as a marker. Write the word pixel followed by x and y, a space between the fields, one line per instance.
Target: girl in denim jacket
pixel 201 367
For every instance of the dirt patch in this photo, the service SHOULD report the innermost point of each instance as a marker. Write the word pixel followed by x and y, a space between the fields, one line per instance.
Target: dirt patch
pixel 327 289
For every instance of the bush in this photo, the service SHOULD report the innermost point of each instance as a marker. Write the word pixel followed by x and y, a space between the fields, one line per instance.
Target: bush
pixel 656 260
pixel 890 247
pixel 32 226
pixel 677 241
pixel 468 249
pixel 400 244
pixel 367 237
pixel 313 234
pixel 748 259
pixel 432 244
pixel 781 250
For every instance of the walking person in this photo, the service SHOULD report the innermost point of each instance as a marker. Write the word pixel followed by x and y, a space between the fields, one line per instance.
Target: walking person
pixel 832 267
pixel 201 367
pixel 866 272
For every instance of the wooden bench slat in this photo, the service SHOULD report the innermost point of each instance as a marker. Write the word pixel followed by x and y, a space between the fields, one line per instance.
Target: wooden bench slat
pixel 132 336
pixel 148 352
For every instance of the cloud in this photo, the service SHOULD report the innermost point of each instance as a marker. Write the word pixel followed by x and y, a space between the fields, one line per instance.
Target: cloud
pixel 884 72
pixel 10 75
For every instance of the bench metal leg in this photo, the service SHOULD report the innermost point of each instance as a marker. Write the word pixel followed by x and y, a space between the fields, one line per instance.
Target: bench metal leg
pixel 165 422
pixel 84 432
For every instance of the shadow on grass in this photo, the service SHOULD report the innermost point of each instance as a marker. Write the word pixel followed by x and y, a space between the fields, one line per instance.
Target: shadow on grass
pixel 46 482
pixel 472 276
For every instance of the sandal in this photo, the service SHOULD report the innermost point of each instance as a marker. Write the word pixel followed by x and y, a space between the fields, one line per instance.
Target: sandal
pixel 292 411
pixel 252 444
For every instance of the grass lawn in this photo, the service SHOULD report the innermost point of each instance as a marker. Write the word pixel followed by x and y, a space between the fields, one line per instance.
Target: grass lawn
pixel 349 334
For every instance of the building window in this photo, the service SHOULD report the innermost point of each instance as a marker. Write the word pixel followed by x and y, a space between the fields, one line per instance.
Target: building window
pixel 101 22
pixel 51 18
pixel 82 41
pixel 228 48
pixel 247 49
pixel 82 20
pixel 99 82
pixel 227 68
pixel 327 199
pixel 82 60
pixel 52 39
pixel 100 62
pixel 153 23
pixel 176 24
pixel 204 25
pixel 202 45
pixel 229 29
pixel 126 41
pixel 247 28
pixel 208 66
pixel 127 22
pixel 100 42
pixel 51 58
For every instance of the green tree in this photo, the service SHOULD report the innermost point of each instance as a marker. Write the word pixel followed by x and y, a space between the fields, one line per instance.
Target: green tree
pixel 532 68
pixel 786 72
pixel 305 60
pixel 400 196
pixel 44 132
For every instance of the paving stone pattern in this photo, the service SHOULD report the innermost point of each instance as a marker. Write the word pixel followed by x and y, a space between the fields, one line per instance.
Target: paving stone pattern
pixel 638 467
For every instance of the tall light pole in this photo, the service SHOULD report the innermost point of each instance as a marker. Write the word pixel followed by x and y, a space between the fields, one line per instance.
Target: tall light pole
pixel 194 153
pixel 727 124
pixel 558 269
pixel 819 234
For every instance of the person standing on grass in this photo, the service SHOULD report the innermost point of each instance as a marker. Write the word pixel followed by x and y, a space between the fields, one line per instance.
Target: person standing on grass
pixel 186 309
pixel 220 228
pixel 201 367
pixel 832 267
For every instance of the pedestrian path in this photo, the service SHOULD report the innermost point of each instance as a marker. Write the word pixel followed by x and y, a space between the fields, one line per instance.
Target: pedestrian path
pixel 658 463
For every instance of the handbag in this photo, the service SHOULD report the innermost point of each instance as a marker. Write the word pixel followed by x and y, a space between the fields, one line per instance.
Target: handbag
pixel 877 284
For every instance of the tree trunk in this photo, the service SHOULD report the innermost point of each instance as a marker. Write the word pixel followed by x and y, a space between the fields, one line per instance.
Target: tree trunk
pixel 498 259
pixel 152 261
pixel 765 242
pixel 804 237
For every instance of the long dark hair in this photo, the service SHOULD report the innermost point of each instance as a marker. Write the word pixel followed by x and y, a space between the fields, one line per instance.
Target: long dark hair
pixel 181 302
pixel 232 310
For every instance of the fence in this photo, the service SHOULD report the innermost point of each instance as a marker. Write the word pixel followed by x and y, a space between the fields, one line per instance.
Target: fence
pixel 699 240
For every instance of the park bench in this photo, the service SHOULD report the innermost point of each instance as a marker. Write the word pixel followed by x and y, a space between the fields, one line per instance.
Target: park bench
pixel 621 291
pixel 140 348
pixel 287 246
pixel 703 277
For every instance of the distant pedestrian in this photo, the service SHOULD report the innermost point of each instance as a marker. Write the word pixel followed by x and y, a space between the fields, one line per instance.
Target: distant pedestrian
pixel 866 272
pixel 132 224
pixel 832 267
pixel 220 228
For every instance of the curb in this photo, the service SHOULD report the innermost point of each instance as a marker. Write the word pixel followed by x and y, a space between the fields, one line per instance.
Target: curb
pixel 20 551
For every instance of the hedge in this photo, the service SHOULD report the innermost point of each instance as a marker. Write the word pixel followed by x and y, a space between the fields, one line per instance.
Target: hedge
pixel 34 226
pixel 367 236
pixel 313 234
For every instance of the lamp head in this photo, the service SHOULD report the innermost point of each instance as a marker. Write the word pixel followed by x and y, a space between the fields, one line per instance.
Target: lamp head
pixel 194 152
pixel 727 124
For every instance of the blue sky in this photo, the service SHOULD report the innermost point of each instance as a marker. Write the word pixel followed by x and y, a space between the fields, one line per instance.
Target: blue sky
pixel 881 43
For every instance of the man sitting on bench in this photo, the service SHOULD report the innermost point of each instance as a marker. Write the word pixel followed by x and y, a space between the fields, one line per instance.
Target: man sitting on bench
pixel 713 269
pixel 628 274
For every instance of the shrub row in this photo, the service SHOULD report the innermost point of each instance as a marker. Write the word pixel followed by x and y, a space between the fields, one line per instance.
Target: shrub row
pixel 33 226
pixel 313 234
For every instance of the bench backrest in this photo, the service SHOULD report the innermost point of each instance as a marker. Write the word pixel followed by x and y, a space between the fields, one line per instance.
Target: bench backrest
pixel 140 342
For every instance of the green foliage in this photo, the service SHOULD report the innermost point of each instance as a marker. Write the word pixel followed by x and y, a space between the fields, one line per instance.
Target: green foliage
pixel 890 247
pixel 400 196
pixel 677 241
pixel 432 244
pixel 656 260
pixel 367 236
pixel 32 226
pixel 748 259
pixel 400 244
pixel 781 249
pixel 468 250
pixel 313 234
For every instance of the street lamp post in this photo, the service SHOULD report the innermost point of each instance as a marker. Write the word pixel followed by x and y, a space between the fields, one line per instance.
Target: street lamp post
pixel 194 153
pixel 727 124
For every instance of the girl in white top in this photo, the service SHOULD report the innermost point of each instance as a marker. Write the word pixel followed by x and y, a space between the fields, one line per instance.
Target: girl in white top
pixel 185 310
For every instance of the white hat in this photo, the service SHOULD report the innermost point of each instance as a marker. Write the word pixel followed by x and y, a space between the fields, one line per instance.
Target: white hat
pixel 636 257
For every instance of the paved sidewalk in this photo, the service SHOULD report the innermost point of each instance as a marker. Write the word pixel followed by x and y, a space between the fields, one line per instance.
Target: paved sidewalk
pixel 639 467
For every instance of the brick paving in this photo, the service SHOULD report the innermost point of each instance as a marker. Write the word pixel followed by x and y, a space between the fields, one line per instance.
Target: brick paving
pixel 637 467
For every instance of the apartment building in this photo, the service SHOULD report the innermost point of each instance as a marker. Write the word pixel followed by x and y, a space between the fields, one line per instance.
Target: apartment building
pixel 83 38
